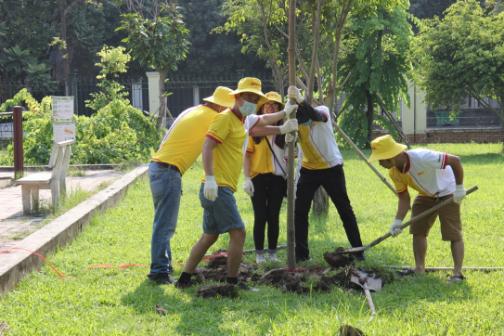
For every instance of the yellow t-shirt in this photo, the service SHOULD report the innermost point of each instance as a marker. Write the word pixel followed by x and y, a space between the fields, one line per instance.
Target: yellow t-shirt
pixel 261 159
pixel 227 129
pixel 183 142
pixel 403 181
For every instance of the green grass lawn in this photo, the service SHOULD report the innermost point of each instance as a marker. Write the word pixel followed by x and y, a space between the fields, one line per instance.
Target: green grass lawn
pixel 121 302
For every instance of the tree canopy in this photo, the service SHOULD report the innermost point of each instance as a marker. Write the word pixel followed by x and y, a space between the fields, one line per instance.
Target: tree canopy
pixel 462 55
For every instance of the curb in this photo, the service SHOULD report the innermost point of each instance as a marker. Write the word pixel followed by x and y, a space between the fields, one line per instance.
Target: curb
pixel 17 264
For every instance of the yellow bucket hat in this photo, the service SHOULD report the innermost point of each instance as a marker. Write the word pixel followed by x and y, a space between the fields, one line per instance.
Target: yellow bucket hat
pixel 222 97
pixel 274 97
pixel 252 85
pixel 384 148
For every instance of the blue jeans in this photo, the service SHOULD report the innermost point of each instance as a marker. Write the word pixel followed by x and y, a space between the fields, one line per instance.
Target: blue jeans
pixel 166 188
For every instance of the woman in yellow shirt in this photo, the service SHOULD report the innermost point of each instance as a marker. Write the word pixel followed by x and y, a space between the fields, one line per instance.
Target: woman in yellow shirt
pixel 265 179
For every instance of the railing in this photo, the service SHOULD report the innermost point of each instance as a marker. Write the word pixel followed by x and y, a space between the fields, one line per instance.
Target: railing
pixel 466 118
pixel 6 126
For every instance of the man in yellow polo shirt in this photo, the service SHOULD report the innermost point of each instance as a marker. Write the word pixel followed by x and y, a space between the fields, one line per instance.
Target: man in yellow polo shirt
pixel 179 149
pixel 436 176
pixel 222 161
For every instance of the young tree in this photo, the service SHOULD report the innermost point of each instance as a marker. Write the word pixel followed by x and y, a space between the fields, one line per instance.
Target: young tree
pixel 376 63
pixel 462 56
pixel 159 42
pixel 113 62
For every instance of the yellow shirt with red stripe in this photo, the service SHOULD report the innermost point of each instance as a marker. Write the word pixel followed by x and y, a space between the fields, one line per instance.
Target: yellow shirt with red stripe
pixel 426 172
pixel 183 142
pixel 227 129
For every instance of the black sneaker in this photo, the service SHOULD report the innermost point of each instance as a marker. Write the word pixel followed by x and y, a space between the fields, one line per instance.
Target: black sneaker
pixel 160 278
pixel 184 284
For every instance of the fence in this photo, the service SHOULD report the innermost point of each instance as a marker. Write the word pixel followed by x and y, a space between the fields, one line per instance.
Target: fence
pixel 184 93
pixel 81 89
pixel 466 118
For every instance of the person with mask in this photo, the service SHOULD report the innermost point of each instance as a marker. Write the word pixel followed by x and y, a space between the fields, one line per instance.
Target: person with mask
pixel 222 162
pixel 180 147
pixel 265 170
pixel 321 165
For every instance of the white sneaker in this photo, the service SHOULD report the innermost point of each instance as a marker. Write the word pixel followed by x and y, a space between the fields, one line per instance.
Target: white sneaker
pixel 273 257
pixel 260 258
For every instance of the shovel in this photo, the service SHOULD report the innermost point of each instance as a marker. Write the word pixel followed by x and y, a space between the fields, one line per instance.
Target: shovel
pixel 408 223
pixel 368 284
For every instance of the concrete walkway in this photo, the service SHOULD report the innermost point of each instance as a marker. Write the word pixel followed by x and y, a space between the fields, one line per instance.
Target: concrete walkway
pixel 15 226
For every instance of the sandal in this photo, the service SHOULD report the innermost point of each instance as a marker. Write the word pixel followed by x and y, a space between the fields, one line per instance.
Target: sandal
pixel 456 278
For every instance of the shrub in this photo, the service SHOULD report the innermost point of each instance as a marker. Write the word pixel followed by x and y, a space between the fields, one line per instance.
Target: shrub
pixel 117 133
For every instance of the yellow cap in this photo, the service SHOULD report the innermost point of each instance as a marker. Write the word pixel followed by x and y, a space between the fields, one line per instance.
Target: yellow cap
pixel 252 85
pixel 222 97
pixel 274 97
pixel 384 148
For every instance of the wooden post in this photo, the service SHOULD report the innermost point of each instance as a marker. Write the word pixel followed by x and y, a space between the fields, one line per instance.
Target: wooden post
pixel 291 256
pixel 17 116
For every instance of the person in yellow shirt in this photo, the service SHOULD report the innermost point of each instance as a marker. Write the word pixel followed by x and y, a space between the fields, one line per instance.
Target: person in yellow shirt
pixel 222 161
pixel 265 171
pixel 180 147
pixel 436 176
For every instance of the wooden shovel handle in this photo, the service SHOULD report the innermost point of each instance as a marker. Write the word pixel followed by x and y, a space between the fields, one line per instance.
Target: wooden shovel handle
pixel 412 220
pixel 418 217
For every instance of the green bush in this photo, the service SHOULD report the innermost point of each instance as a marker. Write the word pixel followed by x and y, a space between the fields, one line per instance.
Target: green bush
pixel 117 133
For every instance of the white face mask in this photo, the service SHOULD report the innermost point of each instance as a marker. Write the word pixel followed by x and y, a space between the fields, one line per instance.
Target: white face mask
pixel 248 108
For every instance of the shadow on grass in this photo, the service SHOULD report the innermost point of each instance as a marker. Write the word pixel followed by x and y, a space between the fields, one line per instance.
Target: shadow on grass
pixel 192 315
pixel 483 158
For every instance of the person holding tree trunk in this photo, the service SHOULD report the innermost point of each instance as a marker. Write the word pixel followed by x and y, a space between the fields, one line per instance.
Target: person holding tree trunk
pixel 179 149
pixel 222 162
pixel 321 165
pixel 265 171
pixel 436 176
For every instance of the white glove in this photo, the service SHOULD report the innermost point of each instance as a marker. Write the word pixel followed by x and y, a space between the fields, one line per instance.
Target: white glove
pixel 289 126
pixel 290 110
pixel 294 93
pixel 291 137
pixel 459 193
pixel 395 228
pixel 248 186
pixel 210 188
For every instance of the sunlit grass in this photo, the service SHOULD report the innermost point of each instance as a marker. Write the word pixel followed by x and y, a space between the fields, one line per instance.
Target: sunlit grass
pixel 112 301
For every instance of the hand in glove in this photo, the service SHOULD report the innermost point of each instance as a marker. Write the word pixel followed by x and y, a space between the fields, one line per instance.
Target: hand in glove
pixel 290 110
pixel 294 93
pixel 210 189
pixel 289 126
pixel 248 186
pixel 395 228
pixel 459 193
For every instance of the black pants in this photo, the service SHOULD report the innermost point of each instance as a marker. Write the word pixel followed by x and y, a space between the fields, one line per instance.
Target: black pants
pixel 269 190
pixel 333 181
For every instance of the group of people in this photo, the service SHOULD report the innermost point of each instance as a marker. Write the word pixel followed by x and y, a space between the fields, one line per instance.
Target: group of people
pixel 247 128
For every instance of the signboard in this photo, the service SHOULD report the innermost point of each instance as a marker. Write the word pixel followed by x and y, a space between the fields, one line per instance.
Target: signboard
pixel 63 132
pixel 63 109
pixel 63 124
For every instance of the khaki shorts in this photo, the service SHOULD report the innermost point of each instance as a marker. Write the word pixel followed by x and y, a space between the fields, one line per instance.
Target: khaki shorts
pixel 449 216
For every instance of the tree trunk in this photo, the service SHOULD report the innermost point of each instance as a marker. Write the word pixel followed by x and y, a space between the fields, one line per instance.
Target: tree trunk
pixel 320 203
pixel 63 32
pixel 369 115
pixel 161 117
